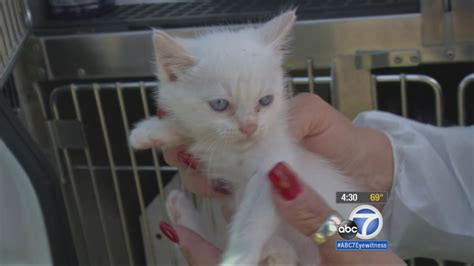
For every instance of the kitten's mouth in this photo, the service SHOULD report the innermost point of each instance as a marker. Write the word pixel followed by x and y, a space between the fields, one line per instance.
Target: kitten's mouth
pixel 247 140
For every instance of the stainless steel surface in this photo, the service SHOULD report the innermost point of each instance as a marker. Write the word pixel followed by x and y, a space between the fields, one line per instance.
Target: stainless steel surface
pixel 407 57
pixel 130 54
pixel 461 98
pixel 463 19
pixel 433 25
pixel 14 28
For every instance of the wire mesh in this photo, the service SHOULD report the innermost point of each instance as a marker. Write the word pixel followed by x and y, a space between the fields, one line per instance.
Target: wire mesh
pixel 81 113
pixel 403 79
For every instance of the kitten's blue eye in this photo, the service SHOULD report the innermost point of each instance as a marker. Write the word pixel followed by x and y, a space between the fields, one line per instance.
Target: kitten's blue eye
pixel 219 105
pixel 266 100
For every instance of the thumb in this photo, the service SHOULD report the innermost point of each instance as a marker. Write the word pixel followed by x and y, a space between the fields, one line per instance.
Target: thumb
pixel 195 249
pixel 298 204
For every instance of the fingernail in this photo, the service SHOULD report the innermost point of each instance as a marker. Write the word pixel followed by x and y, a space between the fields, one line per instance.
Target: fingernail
pixel 187 159
pixel 284 181
pixel 169 232
pixel 221 186
pixel 160 112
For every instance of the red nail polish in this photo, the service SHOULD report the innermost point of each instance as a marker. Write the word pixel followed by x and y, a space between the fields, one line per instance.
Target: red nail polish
pixel 187 159
pixel 160 112
pixel 169 232
pixel 285 181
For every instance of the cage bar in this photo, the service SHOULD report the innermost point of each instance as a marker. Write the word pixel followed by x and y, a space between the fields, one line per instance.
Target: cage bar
pixel 305 80
pixel 125 168
pixel 136 175
pixel 15 31
pixel 77 200
pixel 431 82
pixel 6 35
pixel 95 188
pixel 403 93
pixel 461 101
pixel 309 70
pixel 108 147
pixel 59 167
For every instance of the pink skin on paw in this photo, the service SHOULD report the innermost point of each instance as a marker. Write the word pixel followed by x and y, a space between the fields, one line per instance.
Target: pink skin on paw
pixel 176 215
pixel 152 144
pixel 173 199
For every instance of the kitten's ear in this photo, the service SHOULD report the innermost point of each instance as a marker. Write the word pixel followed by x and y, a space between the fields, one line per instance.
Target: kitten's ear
pixel 275 31
pixel 173 58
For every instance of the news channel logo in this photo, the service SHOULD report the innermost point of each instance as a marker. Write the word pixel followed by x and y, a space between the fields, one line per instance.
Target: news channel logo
pixel 365 222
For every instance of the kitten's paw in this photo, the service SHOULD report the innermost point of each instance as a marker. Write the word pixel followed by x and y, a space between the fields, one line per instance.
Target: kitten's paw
pixel 141 139
pixel 149 133
pixel 182 212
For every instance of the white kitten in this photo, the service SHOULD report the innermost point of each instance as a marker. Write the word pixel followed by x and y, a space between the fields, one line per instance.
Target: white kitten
pixel 225 96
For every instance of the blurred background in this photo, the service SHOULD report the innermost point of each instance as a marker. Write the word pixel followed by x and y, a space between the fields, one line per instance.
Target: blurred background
pixel 76 74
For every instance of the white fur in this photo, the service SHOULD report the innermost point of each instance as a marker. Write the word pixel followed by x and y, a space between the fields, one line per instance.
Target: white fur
pixel 240 66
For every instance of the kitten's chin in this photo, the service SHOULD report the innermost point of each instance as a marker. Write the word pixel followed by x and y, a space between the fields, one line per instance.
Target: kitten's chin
pixel 246 142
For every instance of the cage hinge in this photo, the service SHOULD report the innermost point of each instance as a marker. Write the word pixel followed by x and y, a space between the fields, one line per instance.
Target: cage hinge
pixel 382 59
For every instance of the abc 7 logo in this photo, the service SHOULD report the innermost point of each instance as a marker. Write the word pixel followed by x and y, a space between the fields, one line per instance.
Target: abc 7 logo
pixel 365 222
pixel 347 229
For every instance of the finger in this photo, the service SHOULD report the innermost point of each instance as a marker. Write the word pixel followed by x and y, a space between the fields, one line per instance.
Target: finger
pixel 320 127
pixel 307 115
pixel 298 204
pixel 196 250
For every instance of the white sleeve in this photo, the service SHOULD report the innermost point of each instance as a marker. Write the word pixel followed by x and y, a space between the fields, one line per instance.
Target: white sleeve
pixel 430 210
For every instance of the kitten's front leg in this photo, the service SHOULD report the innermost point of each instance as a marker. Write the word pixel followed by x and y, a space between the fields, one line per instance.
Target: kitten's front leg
pixel 154 132
pixel 253 224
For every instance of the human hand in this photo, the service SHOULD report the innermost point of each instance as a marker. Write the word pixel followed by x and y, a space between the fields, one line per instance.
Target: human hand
pixel 361 153
pixel 305 210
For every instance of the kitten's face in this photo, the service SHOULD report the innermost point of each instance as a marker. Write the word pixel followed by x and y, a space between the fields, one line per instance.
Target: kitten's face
pixel 228 89
pixel 234 103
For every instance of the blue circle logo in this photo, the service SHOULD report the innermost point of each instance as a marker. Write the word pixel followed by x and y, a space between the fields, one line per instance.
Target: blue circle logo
pixel 369 221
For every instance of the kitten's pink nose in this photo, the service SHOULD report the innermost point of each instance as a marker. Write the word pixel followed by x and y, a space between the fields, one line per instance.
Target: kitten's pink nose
pixel 248 129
